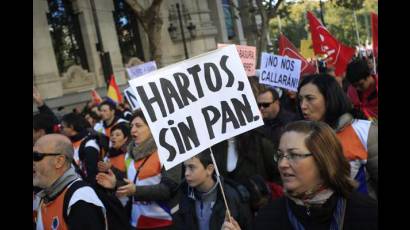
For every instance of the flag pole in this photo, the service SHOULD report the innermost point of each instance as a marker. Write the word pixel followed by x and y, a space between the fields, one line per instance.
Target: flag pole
pixel 357 30
pixel 220 184
pixel 280 24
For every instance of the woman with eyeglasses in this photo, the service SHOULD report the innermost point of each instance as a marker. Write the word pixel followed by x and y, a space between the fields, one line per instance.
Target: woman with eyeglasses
pixel 319 192
pixel 149 186
pixel 321 98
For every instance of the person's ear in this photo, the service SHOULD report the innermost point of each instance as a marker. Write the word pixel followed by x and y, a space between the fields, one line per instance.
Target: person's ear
pixel 210 169
pixel 60 160
pixel 42 132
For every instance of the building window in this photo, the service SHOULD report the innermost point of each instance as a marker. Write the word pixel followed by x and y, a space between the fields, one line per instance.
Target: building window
pixel 66 36
pixel 229 19
pixel 127 31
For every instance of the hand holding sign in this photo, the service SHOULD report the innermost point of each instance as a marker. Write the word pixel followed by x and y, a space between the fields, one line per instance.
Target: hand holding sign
pixel 197 103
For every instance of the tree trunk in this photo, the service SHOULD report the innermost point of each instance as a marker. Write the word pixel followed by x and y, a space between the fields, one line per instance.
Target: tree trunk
pixel 261 44
pixel 154 38
pixel 151 23
pixel 266 15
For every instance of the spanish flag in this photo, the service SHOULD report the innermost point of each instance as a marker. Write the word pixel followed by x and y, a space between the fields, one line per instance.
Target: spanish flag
pixel 113 91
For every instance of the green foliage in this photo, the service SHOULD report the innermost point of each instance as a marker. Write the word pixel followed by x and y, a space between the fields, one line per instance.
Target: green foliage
pixel 349 4
pixel 339 21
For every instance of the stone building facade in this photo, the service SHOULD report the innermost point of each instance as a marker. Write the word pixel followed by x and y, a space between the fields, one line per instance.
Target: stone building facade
pixel 70 87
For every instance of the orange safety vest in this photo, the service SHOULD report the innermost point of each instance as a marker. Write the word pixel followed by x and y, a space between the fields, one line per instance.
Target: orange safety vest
pixel 76 146
pixel 118 162
pixel 52 213
pixel 147 215
pixel 353 148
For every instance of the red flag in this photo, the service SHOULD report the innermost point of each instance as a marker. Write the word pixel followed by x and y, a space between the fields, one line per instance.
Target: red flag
pixel 113 91
pixel 338 55
pixel 95 97
pixel 375 33
pixel 286 48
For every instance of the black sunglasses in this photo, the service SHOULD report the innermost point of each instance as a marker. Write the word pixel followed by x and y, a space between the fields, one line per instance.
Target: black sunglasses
pixel 37 156
pixel 264 105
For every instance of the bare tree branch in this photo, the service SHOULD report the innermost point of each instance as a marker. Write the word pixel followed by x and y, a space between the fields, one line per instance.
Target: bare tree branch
pixel 151 22
pixel 270 6
pixel 138 11
pixel 135 6
pixel 272 12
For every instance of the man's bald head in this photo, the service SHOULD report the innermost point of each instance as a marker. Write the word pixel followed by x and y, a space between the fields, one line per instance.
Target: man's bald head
pixel 55 143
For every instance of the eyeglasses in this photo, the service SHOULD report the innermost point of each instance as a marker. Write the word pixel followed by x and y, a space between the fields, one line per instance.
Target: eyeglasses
pixel 37 156
pixel 292 157
pixel 265 105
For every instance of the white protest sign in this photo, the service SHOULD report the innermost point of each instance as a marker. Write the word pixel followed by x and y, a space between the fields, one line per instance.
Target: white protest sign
pixel 131 98
pixel 196 103
pixel 248 57
pixel 142 69
pixel 280 71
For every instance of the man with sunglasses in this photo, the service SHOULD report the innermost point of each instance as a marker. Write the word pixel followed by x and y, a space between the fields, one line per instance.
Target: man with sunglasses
pixel 54 174
pixel 274 116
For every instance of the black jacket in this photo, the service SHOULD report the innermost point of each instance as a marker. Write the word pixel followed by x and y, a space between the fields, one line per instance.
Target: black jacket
pixel 273 127
pixel 238 204
pixel 89 157
pixel 255 156
pixel 361 213
pixel 85 216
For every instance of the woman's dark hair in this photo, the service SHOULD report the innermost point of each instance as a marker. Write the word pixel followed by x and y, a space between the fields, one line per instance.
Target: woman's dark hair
pixel 336 101
pixel 138 113
pixel 76 121
pixel 124 128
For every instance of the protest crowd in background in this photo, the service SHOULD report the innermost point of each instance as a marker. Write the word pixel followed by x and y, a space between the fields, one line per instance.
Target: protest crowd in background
pixel 290 144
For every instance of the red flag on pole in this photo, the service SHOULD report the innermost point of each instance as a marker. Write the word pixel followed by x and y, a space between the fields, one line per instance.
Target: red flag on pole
pixel 338 55
pixel 375 33
pixel 286 48
pixel 95 97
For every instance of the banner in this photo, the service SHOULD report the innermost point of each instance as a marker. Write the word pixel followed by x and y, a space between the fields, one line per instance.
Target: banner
pixel 280 71
pixel 131 98
pixel 248 57
pixel 197 103
pixel 142 69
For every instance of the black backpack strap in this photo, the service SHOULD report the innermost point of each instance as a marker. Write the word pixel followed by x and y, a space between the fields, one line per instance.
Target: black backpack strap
pixel 70 191
pixel 82 147
pixel 102 142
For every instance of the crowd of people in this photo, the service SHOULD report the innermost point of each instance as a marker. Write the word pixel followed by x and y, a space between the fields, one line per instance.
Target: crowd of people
pixel 312 165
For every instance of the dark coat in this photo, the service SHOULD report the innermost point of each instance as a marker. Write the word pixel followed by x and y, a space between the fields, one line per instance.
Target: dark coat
pixel 255 156
pixel 361 213
pixel 238 204
pixel 273 127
